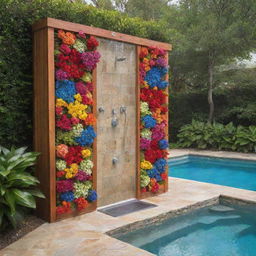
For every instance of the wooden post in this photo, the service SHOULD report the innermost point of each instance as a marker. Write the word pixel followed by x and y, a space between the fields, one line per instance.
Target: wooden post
pixel 44 120
pixel 138 190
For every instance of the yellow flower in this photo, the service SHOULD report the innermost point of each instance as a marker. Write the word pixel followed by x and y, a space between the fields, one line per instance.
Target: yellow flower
pixel 146 165
pixel 69 175
pixel 74 166
pixel 86 153
pixel 78 97
pixel 76 109
pixel 61 103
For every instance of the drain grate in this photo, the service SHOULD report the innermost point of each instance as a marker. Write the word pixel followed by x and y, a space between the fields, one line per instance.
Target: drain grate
pixel 124 208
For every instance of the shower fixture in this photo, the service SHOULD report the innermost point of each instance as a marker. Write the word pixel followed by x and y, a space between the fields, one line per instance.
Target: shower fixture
pixel 114 121
pixel 101 109
pixel 120 58
pixel 114 160
pixel 123 109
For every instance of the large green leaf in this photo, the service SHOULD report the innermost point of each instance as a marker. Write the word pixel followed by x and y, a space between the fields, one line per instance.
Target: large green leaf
pixel 24 198
pixel 25 177
pixel 36 193
pixel 10 199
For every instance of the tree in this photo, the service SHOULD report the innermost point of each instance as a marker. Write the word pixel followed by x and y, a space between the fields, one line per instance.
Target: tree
pixel 212 33
pixel 103 4
pixel 146 9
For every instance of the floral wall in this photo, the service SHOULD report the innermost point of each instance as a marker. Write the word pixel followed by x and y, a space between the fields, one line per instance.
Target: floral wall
pixel 153 113
pixel 75 59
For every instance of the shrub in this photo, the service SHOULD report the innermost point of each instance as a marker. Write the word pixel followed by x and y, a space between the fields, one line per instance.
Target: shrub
pixel 217 136
pixel 17 186
pixel 16 53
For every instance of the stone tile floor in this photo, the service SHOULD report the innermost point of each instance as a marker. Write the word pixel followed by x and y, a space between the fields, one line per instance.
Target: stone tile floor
pixel 85 235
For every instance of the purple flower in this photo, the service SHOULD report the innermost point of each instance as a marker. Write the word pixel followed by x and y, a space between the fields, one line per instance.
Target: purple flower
pixel 161 62
pixel 82 176
pixel 90 59
pixel 158 132
pixel 61 75
pixel 144 144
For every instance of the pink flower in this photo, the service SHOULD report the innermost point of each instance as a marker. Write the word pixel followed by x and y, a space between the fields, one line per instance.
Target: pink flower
pixel 61 75
pixel 144 144
pixel 58 111
pixel 82 176
pixel 64 186
pixel 81 88
pixel 90 59
pixel 81 34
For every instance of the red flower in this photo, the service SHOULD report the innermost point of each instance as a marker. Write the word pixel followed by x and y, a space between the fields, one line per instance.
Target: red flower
pixel 153 155
pixel 143 190
pixel 58 111
pixel 74 155
pixel 155 188
pixel 60 174
pixel 64 208
pixel 92 43
pixel 81 203
pixel 64 123
pixel 154 145
pixel 164 176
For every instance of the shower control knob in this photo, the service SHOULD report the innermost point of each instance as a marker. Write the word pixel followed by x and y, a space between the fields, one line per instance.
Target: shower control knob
pixel 123 109
pixel 101 109
pixel 114 160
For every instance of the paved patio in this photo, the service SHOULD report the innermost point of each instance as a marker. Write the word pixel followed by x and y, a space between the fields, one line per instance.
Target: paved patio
pixel 85 235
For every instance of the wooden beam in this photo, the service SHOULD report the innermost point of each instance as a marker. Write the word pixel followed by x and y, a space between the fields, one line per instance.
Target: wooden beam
pixel 75 27
pixel 44 120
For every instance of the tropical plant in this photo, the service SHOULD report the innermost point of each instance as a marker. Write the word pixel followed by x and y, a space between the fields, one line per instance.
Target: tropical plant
pixel 217 136
pixel 17 185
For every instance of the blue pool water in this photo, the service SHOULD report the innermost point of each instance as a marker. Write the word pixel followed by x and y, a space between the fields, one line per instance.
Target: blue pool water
pixel 205 232
pixel 227 172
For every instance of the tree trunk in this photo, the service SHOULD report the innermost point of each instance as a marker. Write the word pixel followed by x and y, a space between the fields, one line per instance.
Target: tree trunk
pixel 210 89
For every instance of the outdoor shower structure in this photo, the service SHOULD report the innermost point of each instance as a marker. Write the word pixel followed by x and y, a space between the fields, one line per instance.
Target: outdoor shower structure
pixel 100 130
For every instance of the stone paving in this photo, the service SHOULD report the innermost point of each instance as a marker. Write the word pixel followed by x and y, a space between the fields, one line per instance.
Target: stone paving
pixel 85 235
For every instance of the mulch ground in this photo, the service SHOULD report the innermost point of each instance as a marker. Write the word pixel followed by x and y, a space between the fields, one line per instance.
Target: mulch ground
pixel 30 223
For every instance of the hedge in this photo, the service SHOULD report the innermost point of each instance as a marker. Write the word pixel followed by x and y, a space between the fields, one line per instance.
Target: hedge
pixel 16 89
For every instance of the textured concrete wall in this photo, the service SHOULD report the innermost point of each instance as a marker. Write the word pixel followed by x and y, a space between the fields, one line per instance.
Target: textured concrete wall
pixel 116 82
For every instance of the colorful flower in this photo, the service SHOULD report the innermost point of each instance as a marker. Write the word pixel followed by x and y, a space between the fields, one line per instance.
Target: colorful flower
pixel 65 90
pixel 67 196
pixel 61 150
pixel 61 165
pixel 87 137
pixel 64 186
pixel 92 196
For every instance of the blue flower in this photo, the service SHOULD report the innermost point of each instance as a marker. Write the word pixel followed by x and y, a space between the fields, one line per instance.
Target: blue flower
pixel 67 196
pixel 152 172
pixel 149 121
pixel 92 196
pixel 65 90
pixel 163 144
pixel 87 137
pixel 160 165
pixel 154 77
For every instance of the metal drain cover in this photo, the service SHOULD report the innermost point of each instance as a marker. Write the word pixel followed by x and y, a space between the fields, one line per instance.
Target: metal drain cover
pixel 124 208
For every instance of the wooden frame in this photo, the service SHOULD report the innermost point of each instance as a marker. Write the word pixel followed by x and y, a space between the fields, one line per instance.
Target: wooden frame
pixel 44 108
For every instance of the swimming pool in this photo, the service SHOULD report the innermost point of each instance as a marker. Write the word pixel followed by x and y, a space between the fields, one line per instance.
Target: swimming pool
pixel 216 230
pixel 227 172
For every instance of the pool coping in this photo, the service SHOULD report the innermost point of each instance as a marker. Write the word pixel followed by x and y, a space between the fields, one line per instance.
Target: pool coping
pixel 157 220
pixel 209 153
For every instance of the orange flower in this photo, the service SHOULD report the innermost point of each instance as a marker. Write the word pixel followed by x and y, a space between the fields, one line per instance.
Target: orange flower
pixel 67 38
pixel 90 119
pixel 62 150
pixel 144 52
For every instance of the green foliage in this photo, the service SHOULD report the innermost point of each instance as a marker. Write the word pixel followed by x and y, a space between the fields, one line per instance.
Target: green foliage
pixel 218 136
pixel 16 89
pixel 17 185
